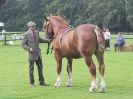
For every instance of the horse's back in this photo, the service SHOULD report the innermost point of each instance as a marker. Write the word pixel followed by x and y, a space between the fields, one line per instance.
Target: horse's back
pixel 85 32
pixel 86 38
pixel 81 39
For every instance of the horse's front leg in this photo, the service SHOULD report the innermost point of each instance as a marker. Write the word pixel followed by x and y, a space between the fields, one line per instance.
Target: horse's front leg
pixel 58 59
pixel 69 71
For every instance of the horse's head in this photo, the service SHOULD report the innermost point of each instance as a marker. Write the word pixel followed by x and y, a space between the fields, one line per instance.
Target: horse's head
pixel 53 25
pixel 47 28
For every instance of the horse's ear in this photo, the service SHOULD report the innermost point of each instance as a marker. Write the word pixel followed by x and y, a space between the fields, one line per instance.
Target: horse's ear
pixel 45 18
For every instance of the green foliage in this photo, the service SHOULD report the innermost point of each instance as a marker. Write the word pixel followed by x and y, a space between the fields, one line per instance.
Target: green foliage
pixel 115 14
pixel 129 9
pixel 2 2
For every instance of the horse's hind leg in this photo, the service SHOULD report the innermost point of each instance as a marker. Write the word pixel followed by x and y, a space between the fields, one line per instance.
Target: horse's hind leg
pixel 59 67
pixel 69 71
pixel 92 68
pixel 100 58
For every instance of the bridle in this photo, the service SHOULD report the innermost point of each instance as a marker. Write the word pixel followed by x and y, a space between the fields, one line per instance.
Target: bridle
pixel 50 34
pixel 48 29
pixel 47 26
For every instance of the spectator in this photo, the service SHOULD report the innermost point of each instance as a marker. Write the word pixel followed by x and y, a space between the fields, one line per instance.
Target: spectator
pixel 107 35
pixel 119 41
pixel 3 31
pixel 3 34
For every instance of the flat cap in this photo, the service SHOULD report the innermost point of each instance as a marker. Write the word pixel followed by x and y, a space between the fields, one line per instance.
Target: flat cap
pixel 31 23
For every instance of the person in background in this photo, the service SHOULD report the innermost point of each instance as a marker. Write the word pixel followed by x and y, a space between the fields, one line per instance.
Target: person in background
pixel 107 36
pixel 3 31
pixel 30 43
pixel 119 41
pixel 2 37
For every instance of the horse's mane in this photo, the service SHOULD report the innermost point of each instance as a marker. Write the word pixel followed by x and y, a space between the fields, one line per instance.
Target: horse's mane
pixel 59 20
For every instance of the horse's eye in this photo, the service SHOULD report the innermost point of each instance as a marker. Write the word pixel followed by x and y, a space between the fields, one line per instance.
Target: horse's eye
pixel 44 26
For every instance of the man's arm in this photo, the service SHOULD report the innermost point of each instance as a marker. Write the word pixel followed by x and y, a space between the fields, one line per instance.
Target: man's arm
pixel 44 40
pixel 24 43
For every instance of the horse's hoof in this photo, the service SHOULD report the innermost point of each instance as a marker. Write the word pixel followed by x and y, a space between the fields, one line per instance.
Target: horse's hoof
pixel 69 84
pixel 57 84
pixel 103 89
pixel 92 89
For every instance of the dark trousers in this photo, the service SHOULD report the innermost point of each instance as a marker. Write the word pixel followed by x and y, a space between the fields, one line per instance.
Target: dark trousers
pixel 118 45
pixel 40 70
pixel 107 43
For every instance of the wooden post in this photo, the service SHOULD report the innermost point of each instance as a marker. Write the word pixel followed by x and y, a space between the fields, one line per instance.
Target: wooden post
pixel 5 39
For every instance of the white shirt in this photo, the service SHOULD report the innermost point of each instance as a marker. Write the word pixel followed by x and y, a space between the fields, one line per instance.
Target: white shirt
pixel 107 35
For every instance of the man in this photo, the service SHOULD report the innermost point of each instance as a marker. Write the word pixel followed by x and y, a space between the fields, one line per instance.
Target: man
pixel 120 41
pixel 30 42
pixel 107 36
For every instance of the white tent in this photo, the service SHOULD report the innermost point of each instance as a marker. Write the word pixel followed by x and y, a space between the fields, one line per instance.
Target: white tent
pixel 3 31
pixel 1 24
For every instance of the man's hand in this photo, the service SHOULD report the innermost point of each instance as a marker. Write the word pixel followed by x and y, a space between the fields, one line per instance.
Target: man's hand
pixel 48 40
pixel 31 50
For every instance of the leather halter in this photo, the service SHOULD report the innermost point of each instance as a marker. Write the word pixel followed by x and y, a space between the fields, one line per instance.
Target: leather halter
pixel 62 31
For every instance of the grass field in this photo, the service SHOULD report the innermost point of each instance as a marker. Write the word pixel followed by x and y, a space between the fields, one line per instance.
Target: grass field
pixel 14 76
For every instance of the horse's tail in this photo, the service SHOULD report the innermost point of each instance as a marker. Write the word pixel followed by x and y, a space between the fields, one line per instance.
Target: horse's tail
pixel 100 38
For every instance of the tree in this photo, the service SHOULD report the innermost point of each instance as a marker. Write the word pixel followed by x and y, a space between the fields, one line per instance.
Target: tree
pixel 10 13
pixel 129 10
pixel 114 14
pixel 2 2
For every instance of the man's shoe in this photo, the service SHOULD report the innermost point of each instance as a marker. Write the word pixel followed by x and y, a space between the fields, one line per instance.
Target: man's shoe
pixel 32 85
pixel 43 84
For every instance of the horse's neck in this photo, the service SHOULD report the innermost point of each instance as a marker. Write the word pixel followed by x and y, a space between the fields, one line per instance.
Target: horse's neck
pixel 58 27
pixel 58 30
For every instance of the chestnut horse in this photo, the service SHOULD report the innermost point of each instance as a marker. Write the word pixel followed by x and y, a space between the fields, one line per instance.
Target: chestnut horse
pixel 80 42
